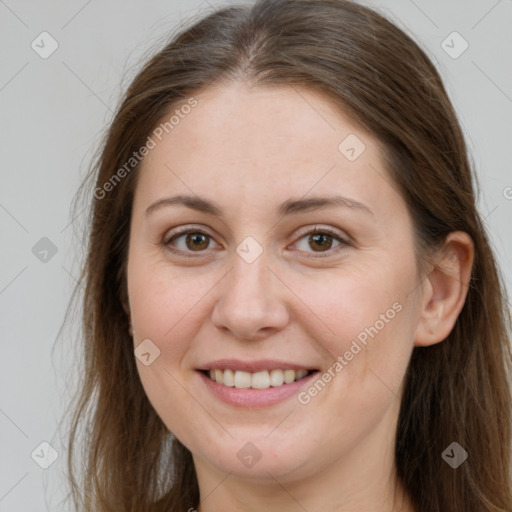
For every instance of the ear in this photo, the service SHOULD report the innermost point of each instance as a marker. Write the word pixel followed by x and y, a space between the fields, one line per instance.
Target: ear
pixel 445 289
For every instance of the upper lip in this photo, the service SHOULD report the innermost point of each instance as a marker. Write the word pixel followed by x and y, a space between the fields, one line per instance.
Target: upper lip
pixel 253 366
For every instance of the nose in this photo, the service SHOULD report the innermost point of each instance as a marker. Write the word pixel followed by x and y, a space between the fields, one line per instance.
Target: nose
pixel 251 304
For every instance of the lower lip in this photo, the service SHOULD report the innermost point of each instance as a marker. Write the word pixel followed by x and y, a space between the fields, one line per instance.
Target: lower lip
pixel 252 398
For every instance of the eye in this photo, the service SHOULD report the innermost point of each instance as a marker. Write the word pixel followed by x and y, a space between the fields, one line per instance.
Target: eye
pixel 320 240
pixel 193 240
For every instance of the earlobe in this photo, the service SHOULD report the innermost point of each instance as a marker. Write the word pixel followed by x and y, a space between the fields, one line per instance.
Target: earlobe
pixel 445 290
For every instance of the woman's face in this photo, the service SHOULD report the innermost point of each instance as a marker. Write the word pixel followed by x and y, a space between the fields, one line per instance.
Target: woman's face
pixel 252 291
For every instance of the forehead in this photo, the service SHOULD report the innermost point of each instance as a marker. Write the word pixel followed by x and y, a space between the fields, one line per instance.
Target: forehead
pixel 237 121
pixel 262 144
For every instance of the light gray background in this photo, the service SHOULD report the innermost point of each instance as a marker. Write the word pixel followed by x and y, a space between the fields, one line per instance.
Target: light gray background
pixel 53 112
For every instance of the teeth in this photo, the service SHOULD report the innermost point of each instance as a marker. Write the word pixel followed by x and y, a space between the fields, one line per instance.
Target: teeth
pixel 242 380
pixel 299 374
pixel 289 376
pixel 219 376
pixel 229 378
pixel 276 378
pixel 258 380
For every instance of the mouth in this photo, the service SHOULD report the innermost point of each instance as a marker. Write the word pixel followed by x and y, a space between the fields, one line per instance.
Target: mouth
pixel 254 384
pixel 264 379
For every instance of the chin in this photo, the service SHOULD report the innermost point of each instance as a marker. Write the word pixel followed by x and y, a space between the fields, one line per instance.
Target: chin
pixel 261 459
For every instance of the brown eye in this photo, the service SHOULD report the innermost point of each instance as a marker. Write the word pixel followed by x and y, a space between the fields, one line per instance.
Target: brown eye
pixel 197 241
pixel 321 240
pixel 188 241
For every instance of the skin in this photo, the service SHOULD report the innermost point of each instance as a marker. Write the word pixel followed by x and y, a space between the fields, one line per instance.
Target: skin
pixel 249 149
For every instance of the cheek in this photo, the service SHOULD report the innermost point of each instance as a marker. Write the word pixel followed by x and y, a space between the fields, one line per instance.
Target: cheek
pixel 370 339
pixel 351 302
pixel 369 321
pixel 164 307
pixel 165 303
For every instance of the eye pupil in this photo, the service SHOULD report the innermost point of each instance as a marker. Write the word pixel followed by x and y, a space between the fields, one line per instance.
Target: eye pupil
pixel 321 238
pixel 196 239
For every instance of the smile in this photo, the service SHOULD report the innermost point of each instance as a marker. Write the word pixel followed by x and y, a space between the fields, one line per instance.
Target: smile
pixel 258 380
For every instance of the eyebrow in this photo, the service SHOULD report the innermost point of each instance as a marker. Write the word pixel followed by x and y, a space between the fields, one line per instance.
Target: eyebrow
pixel 289 207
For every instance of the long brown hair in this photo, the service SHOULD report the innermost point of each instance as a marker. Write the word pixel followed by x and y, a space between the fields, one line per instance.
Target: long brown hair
pixel 457 390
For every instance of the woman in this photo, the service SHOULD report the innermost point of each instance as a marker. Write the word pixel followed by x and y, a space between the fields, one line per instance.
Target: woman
pixel 291 302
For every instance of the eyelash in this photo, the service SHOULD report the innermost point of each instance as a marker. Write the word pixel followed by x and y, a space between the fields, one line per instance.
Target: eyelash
pixel 166 242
